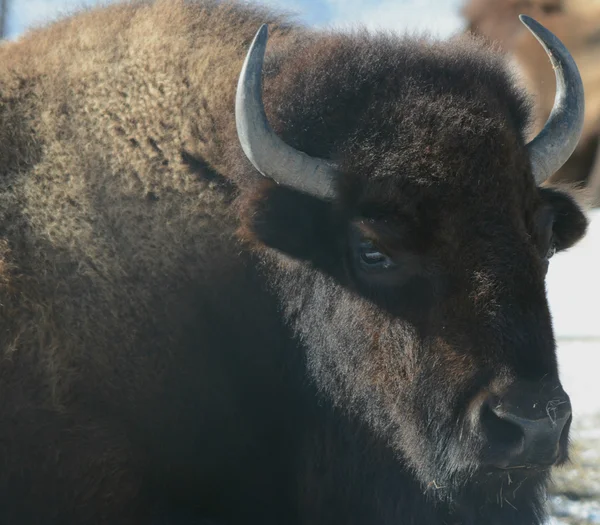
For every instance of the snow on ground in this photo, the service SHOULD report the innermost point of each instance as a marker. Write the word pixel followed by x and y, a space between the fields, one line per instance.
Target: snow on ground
pixel 573 291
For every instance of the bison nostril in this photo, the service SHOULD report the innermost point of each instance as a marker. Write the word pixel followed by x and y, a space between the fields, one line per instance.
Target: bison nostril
pixel 523 433
pixel 504 438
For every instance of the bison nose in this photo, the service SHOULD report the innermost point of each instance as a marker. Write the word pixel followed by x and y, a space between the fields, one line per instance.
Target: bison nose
pixel 526 428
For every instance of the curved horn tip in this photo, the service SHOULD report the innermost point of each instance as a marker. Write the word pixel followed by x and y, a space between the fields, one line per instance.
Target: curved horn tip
pixel 262 34
pixel 543 35
pixel 259 42
pixel 553 146
pixel 527 20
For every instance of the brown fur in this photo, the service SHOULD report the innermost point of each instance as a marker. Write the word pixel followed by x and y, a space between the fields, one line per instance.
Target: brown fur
pixel 101 118
pixel 180 333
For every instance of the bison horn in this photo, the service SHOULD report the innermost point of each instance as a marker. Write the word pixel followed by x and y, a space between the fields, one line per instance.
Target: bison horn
pixel 552 147
pixel 266 151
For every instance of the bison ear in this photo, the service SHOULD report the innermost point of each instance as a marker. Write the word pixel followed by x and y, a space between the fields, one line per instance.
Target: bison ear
pixel 291 222
pixel 570 224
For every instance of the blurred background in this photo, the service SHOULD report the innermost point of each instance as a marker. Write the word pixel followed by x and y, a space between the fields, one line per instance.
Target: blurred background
pixel 573 288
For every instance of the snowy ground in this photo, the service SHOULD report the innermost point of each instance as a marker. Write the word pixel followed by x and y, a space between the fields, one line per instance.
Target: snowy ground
pixel 573 290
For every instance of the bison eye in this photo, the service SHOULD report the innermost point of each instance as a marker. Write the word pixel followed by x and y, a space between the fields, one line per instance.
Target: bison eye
pixel 371 258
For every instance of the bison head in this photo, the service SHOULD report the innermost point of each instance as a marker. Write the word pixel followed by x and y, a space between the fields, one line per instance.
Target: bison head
pixel 409 243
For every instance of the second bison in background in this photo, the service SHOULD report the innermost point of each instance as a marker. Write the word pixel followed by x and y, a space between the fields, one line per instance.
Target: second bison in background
pixel 322 307
pixel 577 24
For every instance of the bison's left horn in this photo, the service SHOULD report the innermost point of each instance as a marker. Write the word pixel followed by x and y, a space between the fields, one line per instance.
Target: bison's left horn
pixel 553 146
pixel 266 151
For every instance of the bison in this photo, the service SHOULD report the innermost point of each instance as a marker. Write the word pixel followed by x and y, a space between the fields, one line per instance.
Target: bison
pixel 577 24
pixel 324 306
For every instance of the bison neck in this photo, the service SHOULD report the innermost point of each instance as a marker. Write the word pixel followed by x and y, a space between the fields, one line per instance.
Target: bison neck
pixel 260 436
pixel 344 469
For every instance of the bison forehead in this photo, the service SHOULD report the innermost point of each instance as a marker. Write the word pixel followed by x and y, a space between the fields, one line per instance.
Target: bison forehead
pixel 382 105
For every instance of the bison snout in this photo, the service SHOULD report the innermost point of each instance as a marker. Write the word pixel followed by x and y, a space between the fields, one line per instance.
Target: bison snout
pixel 527 426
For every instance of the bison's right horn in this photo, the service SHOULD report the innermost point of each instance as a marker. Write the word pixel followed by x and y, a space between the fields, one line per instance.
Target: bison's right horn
pixel 266 151
pixel 553 146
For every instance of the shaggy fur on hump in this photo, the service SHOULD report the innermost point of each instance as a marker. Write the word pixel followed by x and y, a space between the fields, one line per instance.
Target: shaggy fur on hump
pixel 111 206
pixel 127 209
pixel 111 145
